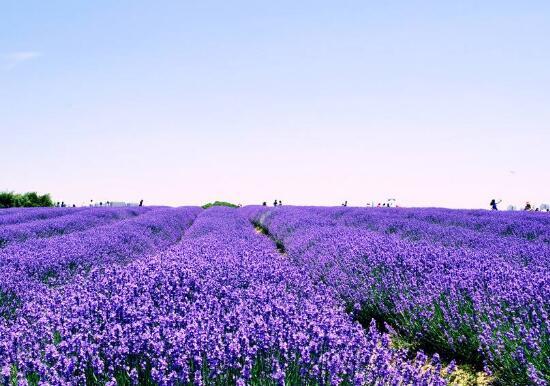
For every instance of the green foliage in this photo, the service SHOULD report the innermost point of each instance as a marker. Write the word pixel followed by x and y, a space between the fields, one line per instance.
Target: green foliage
pixel 32 378
pixel 19 200
pixel 9 303
pixel 219 203
pixel 261 374
pixel 57 338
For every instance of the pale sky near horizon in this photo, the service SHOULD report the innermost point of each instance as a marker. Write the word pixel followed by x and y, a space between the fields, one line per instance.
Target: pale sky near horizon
pixel 434 103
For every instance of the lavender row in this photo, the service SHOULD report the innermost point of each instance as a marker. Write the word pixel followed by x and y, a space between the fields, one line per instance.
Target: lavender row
pixel 5 211
pixel 221 307
pixel 530 226
pixel 33 266
pixel 470 305
pixel 13 210
pixel 403 223
pixel 524 225
pixel 410 228
pixel 73 222
pixel 21 215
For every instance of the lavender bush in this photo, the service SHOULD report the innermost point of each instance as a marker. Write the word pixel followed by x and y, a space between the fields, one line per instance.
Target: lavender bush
pixel 33 266
pixel 21 215
pixel 74 221
pixel 220 307
pixel 473 291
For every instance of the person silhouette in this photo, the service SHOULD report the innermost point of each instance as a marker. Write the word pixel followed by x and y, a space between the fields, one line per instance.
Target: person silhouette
pixel 264 203
pixel 275 203
pixel 493 204
pixel 141 203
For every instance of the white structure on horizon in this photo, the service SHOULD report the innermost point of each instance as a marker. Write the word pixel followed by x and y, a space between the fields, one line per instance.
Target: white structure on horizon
pixel 120 203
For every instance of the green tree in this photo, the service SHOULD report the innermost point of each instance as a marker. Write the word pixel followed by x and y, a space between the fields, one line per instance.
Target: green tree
pixel 29 199
pixel 219 203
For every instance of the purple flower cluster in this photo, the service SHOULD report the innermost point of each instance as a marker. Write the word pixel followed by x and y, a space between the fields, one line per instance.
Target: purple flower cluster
pixel 222 306
pixel 459 282
pixel 74 221
pixel 21 215
pixel 33 266
pixel 528 225
pixel 408 226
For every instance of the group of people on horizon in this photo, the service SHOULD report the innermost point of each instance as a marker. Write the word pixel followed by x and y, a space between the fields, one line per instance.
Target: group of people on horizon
pixel 275 203
pixel 63 205
pixel 345 203
pixel 110 203
pixel 528 207
pixel 100 203
pixel 493 205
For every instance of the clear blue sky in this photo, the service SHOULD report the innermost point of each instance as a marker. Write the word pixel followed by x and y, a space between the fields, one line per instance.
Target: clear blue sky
pixel 443 103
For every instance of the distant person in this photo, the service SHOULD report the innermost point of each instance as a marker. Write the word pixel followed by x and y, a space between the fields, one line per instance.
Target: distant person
pixel 100 203
pixel 280 203
pixel 494 203
pixel 141 203
pixel 527 206
pixel 345 203
pixel 264 203
pixel 74 206
pixel 275 203
pixel 63 204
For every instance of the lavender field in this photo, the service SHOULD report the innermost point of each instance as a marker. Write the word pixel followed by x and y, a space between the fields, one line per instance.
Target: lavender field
pixel 273 296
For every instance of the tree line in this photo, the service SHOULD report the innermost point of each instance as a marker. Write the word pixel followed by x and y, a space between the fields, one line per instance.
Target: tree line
pixel 20 200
